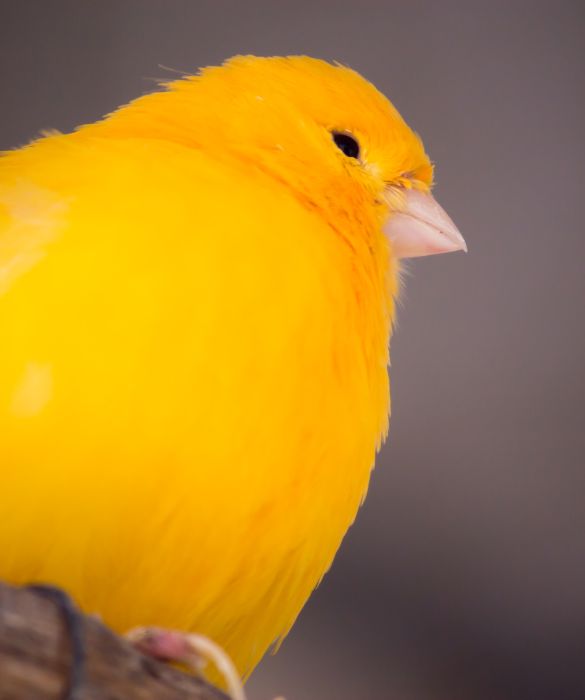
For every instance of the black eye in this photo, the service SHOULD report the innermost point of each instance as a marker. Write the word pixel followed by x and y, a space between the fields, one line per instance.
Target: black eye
pixel 347 144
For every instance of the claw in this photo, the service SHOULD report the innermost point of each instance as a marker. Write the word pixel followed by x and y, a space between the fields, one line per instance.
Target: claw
pixel 193 650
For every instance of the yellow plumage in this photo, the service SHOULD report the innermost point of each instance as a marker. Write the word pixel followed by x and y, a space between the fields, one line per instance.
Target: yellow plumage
pixel 196 299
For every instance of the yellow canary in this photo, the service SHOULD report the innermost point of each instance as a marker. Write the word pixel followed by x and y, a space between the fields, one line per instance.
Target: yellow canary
pixel 196 300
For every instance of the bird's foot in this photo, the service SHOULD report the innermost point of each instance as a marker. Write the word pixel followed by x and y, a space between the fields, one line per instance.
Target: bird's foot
pixel 73 620
pixel 192 650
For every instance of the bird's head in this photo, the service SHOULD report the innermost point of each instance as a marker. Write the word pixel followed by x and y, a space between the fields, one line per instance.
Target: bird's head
pixel 321 129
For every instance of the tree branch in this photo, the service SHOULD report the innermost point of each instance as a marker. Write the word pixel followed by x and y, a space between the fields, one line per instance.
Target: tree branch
pixel 35 656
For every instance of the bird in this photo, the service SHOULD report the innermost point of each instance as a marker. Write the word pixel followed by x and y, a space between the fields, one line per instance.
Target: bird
pixel 197 294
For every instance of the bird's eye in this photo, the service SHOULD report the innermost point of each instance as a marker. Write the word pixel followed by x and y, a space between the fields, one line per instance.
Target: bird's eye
pixel 347 144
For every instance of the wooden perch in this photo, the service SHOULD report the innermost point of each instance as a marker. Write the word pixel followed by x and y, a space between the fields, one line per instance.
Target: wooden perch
pixel 35 654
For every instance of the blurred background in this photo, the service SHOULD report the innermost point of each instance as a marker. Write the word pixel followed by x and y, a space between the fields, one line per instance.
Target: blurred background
pixel 464 575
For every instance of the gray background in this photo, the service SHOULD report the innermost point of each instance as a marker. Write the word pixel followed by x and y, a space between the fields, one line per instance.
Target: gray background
pixel 464 576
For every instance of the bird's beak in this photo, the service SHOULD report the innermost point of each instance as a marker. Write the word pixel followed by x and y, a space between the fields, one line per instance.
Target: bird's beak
pixel 418 225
